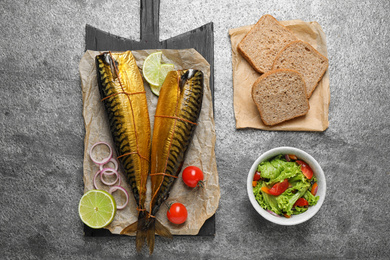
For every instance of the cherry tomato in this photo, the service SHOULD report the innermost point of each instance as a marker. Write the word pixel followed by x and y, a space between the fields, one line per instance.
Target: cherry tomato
pixel 306 170
pixel 301 202
pixel 314 189
pixel 279 188
pixel 177 213
pixel 257 176
pixel 192 175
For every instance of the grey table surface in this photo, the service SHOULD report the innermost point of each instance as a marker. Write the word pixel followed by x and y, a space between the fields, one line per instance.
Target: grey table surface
pixel 42 132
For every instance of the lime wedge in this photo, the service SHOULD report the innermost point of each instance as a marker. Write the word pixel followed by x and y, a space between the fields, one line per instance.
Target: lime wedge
pixel 97 208
pixel 154 72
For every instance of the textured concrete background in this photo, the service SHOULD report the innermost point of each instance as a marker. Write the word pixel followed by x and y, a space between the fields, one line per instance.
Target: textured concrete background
pixel 42 132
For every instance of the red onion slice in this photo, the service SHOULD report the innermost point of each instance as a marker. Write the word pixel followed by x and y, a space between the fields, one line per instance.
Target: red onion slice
pixel 115 162
pixel 273 213
pixel 103 161
pixel 112 171
pixel 94 179
pixel 115 188
pixel 287 157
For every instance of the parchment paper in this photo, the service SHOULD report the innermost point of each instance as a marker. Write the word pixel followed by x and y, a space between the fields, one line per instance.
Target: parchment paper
pixel 201 203
pixel 245 110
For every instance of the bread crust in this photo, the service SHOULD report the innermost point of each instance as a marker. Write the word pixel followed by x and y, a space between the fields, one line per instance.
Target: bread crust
pixel 309 92
pixel 265 75
pixel 245 54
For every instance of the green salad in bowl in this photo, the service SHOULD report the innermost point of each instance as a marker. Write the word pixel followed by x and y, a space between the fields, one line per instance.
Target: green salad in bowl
pixel 286 185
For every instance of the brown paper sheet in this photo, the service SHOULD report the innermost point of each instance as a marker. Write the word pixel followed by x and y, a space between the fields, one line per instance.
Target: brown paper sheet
pixel 201 203
pixel 245 110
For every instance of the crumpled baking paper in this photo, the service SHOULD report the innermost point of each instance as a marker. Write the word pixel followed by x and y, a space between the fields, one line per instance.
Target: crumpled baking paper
pixel 201 203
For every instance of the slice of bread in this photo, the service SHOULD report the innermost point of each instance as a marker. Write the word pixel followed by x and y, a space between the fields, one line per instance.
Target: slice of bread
pixel 302 57
pixel 263 42
pixel 280 95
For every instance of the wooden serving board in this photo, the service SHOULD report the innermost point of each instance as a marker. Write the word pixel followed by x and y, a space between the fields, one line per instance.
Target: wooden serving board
pixel 201 39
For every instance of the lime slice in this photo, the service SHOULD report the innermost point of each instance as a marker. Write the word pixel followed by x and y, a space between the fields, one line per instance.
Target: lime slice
pixel 151 68
pixel 97 208
pixel 154 72
pixel 155 89
pixel 164 70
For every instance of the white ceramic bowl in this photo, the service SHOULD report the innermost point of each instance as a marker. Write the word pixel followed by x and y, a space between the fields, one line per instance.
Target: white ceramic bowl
pixel 317 170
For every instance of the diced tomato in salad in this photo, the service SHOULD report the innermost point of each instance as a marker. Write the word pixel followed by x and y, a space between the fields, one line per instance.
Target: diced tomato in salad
pixel 306 170
pixel 301 202
pixel 277 189
pixel 257 176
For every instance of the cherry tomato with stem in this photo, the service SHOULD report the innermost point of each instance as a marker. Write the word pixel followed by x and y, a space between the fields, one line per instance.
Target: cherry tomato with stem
pixel 192 176
pixel 177 213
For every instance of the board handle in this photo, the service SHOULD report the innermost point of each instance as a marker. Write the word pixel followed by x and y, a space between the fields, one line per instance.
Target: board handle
pixel 150 10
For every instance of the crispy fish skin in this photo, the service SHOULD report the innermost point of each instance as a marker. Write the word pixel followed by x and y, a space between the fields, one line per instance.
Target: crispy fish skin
pixel 128 117
pixel 181 98
pixel 177 112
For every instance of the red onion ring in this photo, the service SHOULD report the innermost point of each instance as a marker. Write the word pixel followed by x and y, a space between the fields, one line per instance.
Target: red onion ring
pixel 115 188
pixel 103 161
pixel 106 183
pixel 273 213
pixel 113 171
pixel 94 179
pixel 115 162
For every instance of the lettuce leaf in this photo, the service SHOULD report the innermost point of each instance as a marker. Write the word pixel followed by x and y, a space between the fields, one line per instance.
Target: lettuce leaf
pixel 311 198
pixel 288 198
pixel 288 170
pixel 271 203
pixel 268 171
pixel 298 178
pixel 299 210
pixel 278 169
pixel 259 195
pixel 265 200
pixel 300 186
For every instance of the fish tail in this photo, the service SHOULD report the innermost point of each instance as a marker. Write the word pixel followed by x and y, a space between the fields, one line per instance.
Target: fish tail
pixel 145 228
pixel 150 235
pixel 155 227
pixel 139 227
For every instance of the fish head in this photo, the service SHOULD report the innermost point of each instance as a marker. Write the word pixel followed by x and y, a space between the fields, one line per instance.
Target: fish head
pixel 108 60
